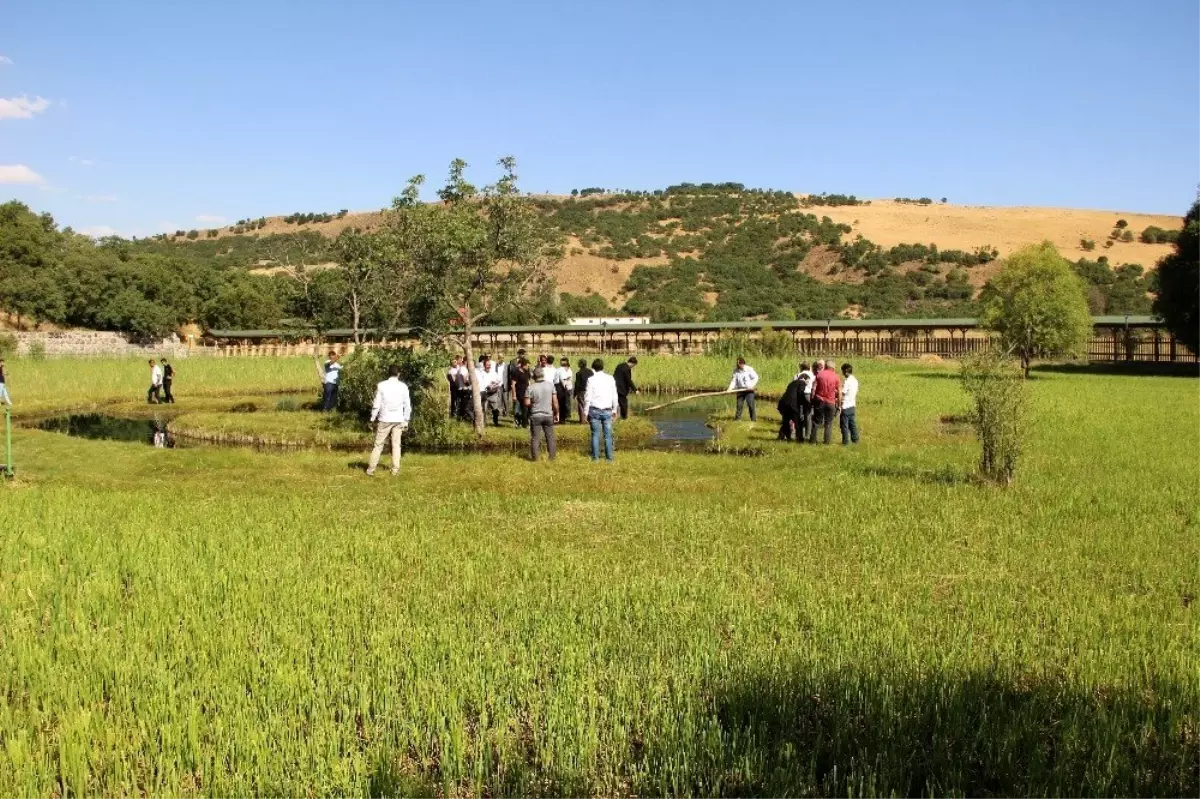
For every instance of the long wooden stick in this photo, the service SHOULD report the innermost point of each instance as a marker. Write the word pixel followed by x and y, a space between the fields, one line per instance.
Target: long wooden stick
pixel 692 397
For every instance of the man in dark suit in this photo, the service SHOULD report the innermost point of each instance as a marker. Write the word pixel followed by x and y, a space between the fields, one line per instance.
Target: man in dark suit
pixel 623 375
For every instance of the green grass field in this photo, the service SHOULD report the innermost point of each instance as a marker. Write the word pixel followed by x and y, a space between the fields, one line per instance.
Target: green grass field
pixel 816 621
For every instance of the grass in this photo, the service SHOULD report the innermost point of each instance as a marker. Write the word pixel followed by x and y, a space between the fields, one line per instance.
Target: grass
pixel 816 621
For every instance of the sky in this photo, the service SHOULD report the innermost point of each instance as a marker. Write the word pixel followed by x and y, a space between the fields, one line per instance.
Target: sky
pixel 138 116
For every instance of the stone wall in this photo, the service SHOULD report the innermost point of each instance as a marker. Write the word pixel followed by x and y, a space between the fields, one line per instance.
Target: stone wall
pixel 95 344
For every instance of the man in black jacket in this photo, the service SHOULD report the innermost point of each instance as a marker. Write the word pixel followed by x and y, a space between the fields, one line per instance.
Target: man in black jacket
pixel 168 378
pixel 581 379
pixel 623 376
pixel 790 408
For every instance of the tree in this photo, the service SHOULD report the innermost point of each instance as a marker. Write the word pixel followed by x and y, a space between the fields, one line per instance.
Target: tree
pixel 999 399
pixel 1122 224
pixel 469 256
pixel 1038 305
pixel 360 255
pixel 1179 283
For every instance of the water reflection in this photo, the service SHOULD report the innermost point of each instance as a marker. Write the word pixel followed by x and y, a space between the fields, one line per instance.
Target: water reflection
pixel 154 432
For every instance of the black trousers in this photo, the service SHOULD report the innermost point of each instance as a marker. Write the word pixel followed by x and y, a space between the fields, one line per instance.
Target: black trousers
pixel 167 395
pixel 823 413
pixel 564 403
pixel 785 428
pixel 623 404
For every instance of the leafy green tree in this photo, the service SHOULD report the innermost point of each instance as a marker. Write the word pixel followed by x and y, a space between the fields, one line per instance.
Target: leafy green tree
pixel 1038 305
pixel 469 256
pixel 1179 283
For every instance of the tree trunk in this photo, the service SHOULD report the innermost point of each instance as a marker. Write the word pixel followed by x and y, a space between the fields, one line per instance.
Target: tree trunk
pixel 355 316
pixel 476 399
pixel 1025 362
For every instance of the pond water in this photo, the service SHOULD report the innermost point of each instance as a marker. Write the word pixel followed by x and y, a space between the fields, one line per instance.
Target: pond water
pixel 684 422
pixel 152 432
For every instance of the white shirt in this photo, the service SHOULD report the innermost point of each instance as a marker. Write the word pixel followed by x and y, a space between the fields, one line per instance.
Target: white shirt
pixel 849 392
pixel 156 375
pixel 601 393
pixel 458 376
pixel 333 370
pixel 808 385
pixel 487 377
pixel 392 404
pixel 744 379
pixel 564 376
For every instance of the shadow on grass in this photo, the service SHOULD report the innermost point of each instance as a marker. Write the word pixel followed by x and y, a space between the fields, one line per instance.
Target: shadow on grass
pixel 1122 368
pixel 805 731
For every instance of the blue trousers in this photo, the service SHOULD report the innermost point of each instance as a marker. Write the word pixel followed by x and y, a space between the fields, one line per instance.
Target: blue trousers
pixel 329 396
pixel 601 420
pixel 849 426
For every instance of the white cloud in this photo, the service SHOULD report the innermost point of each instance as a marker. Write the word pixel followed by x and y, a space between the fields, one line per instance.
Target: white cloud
pixel 74 159
pixel 98 198
pixel 19 173
pixel 5 59
pixel 211 219
pixel 22 107
pixel 99 231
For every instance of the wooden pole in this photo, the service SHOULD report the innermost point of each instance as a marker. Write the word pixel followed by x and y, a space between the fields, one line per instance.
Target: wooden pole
pixel 692 397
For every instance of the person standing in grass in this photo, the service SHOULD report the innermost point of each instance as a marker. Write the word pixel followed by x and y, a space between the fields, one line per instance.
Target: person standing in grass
pixel 542 402
pixel 564 381
pixel 502 370
pixel 805 402
pixel 4 396
pixel 744 380
pixel 156 376
pixel 789 407
pixel 849 403
pixel 520 385
pixel 623 377
pixel 332 370
pixel 168 377
pixel 825 398
pixel 581 381
pixel 599 404
pixel 488 377
pixel 390 412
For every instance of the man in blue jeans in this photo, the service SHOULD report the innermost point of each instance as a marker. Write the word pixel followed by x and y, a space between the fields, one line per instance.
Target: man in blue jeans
pixel 849 397
pixel 599 404
pixel 329 388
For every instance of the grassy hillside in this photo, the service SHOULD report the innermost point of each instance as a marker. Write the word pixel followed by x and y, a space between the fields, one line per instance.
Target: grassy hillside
pixel 723 252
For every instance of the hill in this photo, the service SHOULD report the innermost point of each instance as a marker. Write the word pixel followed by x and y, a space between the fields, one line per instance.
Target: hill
pixel 618 245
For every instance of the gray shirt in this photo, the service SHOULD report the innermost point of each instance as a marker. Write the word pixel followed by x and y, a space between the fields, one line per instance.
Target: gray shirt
pixel 541 397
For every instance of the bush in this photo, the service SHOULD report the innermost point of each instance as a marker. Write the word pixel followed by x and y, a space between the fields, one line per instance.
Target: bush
pixel 1087 244
pixel 1122 224
pixel 1000 399
pixel 193 235
pixel 771 343
pixel 1127 236
pixel 8 345
pixel 364 368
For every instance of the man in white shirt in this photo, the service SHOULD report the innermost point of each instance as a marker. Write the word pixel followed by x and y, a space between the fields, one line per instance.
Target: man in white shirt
pixel 849 403
pixel 488 377
pixel 155 383
pixel 390 411
pixel 599 403
pixel 564 384
pixel 332 371
pixel 744 380
pixel 806 401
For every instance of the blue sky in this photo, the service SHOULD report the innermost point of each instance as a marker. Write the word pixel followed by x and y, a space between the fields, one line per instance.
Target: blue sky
pixel 140 116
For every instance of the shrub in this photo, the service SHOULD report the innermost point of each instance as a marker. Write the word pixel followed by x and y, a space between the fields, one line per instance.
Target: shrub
pixel 364 368
pixel 999 397
pixel 1087 244
pixel 1127 236
pixel 771 343
pixel 193 234
pixel 1122 224
pixel 8 345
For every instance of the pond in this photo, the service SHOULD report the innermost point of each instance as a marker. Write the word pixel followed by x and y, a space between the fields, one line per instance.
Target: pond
pixel 682 423
pixel 152 432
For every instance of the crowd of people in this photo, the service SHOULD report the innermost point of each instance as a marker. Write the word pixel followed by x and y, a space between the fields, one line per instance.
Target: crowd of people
pixel 813 399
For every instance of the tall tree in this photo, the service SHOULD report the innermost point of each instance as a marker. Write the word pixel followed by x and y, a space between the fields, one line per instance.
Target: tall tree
pixel 469 256
pixel 1178 301
pixel 1038 305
